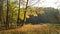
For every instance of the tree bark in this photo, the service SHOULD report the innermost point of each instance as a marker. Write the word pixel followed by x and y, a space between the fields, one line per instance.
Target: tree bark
pixel 1 7
pixel 25 12
pixel 18 19
pixel 7 23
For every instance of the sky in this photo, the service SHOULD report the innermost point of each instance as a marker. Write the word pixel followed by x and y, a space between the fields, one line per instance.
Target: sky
pixel 48 3
pixel 45 3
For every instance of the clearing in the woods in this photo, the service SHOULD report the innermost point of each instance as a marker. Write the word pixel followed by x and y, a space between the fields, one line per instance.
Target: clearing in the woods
pixel 33 29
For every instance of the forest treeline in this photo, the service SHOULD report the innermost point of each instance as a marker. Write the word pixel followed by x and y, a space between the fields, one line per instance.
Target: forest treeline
pixel 11 15
pixel 50 15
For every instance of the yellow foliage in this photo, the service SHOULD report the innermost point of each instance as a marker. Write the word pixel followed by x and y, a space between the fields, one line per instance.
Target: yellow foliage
pixel 27 13
pixel 27 16
pixel 34 14
pixel 41 11
pixel 21 15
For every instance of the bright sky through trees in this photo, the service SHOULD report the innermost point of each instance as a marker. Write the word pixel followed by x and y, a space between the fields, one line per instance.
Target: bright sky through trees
pixel 49 3
pixel 45 3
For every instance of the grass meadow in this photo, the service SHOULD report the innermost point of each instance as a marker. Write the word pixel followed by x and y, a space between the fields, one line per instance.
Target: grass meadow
pixel 34 29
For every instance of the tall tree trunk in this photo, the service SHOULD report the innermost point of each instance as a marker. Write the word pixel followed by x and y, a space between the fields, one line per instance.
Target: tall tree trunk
pixel 1 13
pixel 18 19
pixel 7 23
pixel 25 12
pixel 1 7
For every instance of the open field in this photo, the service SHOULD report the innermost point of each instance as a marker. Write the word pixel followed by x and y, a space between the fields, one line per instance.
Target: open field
pixel 33 29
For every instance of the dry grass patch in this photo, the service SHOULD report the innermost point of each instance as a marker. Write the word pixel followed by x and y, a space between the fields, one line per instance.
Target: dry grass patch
pixel 33 29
